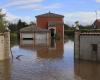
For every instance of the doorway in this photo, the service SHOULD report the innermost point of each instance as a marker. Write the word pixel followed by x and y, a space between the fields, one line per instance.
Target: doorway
pixel 52 33
pixel 94 52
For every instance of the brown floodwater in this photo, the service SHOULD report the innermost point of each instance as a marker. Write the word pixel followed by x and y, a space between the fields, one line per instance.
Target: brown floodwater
pixel 54 62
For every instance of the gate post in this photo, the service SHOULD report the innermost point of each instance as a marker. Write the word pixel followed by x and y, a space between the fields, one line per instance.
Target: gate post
pixel 2 46
pixel 77 45
pixel 77 42
pixel 7 43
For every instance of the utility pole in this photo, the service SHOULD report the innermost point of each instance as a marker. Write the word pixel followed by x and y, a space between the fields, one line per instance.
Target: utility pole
pixel 96 14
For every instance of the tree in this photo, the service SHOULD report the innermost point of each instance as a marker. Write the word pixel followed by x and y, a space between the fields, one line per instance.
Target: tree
pixel 2 21
pixel 86 27
pixel 21 24
pixel 32 23
pixel 66 27
pixel 13 27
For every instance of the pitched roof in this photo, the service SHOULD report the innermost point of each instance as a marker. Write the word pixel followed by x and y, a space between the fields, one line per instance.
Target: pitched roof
pixel 97 20
pixel 33 28
pixel 49 14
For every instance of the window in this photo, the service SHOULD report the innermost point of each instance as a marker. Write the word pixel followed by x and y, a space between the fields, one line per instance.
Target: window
pixel 27 38
pixel 51 24
pixel 94 47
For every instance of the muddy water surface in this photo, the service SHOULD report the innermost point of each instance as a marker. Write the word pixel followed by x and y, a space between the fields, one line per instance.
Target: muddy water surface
pixel 48 63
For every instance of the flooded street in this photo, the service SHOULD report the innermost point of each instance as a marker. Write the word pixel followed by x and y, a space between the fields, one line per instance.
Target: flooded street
pixel 48 63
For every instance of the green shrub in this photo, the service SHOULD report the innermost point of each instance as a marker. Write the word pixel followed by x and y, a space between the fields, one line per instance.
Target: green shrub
pixel 13 38
pixel 69 32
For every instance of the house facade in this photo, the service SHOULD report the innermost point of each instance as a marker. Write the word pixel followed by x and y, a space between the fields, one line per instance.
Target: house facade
pixel 53 22
pixel 49 25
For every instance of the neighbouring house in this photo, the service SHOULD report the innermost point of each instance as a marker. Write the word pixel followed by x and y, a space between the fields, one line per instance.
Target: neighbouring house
pixel 96 24
pixel 49 25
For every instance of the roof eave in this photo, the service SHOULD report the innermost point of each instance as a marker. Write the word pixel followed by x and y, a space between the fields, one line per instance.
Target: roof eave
pixel 49 16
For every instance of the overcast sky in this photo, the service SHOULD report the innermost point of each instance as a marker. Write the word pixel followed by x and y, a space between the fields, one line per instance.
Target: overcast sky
pixel 82 10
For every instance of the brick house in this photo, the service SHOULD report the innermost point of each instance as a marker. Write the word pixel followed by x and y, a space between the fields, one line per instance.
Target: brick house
pixel 53 22
pixel 96 24
pixel 49 25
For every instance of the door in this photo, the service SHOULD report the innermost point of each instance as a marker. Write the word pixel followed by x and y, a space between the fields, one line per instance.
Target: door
pixel 94 54
pixel 52 33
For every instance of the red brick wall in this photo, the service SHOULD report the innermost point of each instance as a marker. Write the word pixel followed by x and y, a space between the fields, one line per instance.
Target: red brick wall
pixel 53 53
pixel 43 23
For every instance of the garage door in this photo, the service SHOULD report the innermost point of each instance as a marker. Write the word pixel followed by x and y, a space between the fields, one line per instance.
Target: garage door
pixel 27 38
pixel 40 38
pixel 27 35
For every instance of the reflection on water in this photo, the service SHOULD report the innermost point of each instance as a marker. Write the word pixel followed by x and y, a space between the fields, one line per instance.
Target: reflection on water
pixel 53 62
pixel 5 73
pixel 55 50
pixel 53 43
pixel 87 70
pixel 44 62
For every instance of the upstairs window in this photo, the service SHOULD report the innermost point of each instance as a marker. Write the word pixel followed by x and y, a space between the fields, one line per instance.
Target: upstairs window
pixel 51 24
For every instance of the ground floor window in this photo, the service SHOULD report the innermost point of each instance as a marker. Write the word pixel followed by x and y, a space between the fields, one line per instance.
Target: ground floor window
pixel 27 38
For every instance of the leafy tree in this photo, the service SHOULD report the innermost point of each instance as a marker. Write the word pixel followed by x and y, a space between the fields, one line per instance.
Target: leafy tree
pixel 13 27
pixel 21 24
pixel 2 21
pixel 86 27
pixel 66 27
pixel 32 23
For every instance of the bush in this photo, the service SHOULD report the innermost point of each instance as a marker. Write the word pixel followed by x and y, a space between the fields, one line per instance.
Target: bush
pixel 69 32
pixel 90 30
pixel 13 38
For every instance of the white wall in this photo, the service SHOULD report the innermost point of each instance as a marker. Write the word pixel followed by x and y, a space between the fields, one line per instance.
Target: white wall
pixel 27 42
pixel 2 53
pixel 40 38
pixel 86 48
pixel 27 35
